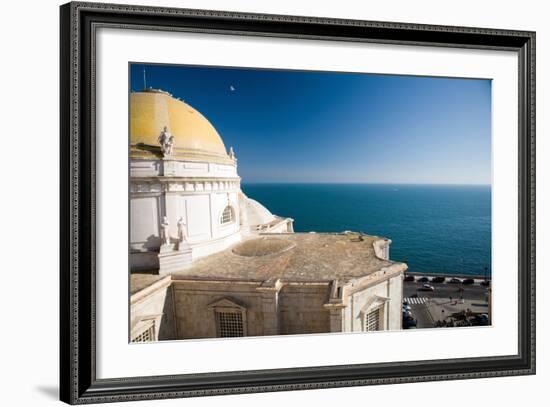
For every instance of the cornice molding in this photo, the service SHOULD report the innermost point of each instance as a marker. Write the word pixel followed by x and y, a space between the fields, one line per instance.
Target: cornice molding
pixel 160 184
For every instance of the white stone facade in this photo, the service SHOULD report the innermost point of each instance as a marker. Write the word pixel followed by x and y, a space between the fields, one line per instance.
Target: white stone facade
pixel 188 307
pixel 197 192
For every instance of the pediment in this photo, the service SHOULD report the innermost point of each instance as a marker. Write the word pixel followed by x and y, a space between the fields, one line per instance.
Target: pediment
pixel 226 303
pixel 374 302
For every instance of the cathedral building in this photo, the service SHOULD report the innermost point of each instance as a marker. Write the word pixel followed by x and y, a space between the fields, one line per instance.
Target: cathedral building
pixel 207 261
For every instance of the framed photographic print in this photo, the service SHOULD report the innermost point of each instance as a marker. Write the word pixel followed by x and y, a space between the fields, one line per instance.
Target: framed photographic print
pixel 256 203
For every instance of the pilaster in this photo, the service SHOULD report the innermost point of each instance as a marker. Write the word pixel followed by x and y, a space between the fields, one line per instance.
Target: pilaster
pixel 270 305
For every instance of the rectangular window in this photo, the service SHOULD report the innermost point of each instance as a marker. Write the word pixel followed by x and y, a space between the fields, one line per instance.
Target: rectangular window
pixel 230 324
pixel 372 320
pixel 146 336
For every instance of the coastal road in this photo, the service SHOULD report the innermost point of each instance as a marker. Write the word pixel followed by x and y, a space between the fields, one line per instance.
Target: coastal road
pixel 444 290
pixel 419 300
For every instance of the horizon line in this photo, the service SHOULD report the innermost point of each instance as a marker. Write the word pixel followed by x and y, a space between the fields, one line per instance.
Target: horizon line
pixel 366 183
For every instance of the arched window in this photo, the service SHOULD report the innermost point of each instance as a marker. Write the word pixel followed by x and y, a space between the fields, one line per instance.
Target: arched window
pixel 227 215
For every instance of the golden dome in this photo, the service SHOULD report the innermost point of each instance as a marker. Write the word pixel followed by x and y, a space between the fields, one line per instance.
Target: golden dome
pixel 194 137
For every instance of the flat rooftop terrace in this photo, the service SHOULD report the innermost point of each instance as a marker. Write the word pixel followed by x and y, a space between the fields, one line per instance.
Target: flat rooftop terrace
pixel 296 257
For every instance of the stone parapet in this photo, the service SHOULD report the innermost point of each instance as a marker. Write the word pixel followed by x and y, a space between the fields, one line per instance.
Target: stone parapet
pixel 175 260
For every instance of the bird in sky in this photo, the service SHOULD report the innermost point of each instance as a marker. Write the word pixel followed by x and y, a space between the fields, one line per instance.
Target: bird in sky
pixel 232 88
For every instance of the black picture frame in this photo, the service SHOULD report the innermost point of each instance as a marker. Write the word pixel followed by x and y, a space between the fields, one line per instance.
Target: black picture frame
pixel 78 381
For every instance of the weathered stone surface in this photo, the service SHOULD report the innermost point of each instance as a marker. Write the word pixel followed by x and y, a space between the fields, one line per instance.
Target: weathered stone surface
pixel 285 284
pixel 304 257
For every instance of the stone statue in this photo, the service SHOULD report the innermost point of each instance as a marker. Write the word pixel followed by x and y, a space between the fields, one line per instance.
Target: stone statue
pixel 166 141
pixel 165 234
pixel 181 229
pixel 182 241
pixel 231 153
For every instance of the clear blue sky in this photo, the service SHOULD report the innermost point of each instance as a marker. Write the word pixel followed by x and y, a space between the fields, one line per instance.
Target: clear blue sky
pixel 300 126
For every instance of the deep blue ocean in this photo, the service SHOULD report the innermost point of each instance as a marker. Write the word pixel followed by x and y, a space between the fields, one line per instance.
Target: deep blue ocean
pixel 434 228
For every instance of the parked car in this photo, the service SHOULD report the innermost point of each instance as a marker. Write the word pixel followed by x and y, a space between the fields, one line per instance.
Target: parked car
pixel 409 322
pixel 438 279
pixel 468 281
pixel 423 280
pixel 409 277
pixel 426 287
pixel 486 283
pixel 481 320
pixel 406 308
pixel 407 314
pixel 455 280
